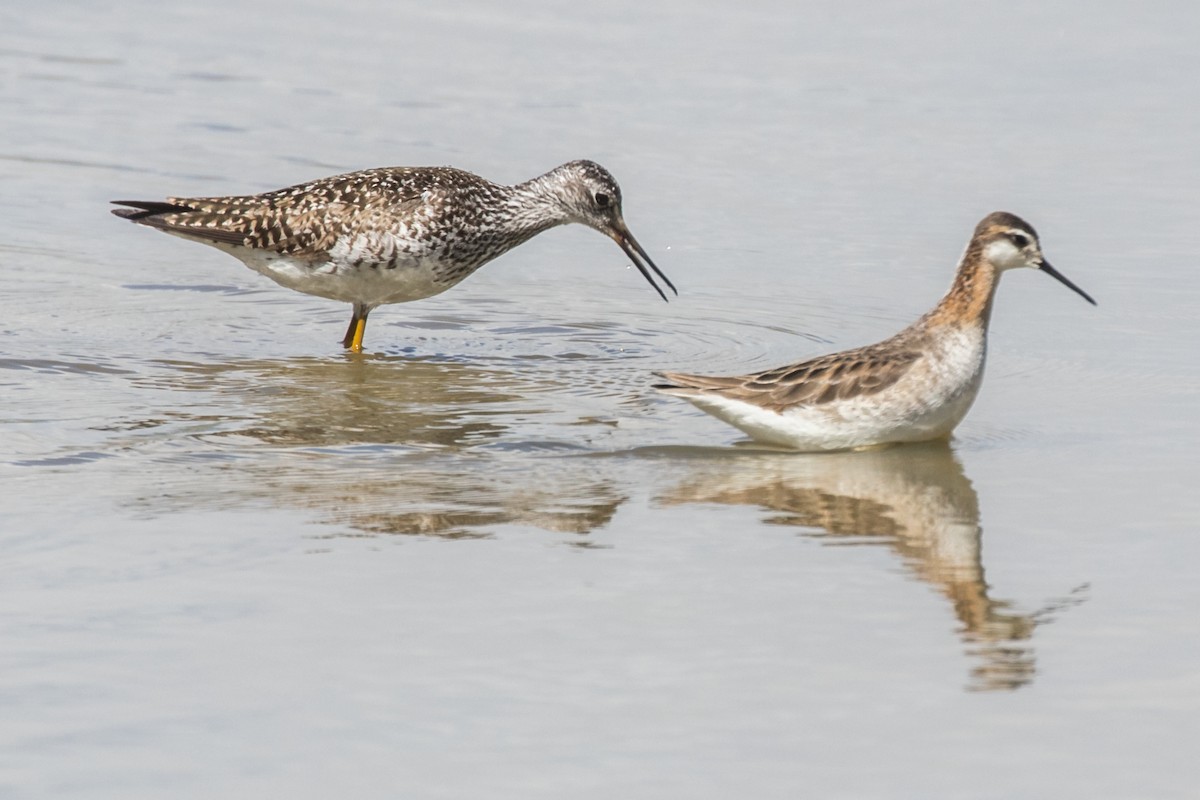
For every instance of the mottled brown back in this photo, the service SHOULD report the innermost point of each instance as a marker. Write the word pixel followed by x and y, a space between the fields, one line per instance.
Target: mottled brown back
pixel 839 376
pixel 303 220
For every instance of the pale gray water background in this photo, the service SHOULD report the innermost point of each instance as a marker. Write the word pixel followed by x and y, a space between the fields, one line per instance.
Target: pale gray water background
pixel 484 560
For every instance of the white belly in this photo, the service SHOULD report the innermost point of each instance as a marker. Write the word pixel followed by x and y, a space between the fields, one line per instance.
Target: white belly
pixel 926 403
pixel 372 284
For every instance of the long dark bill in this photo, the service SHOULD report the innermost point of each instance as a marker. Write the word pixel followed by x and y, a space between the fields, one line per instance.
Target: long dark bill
pixel 1053 273
pixel 633 250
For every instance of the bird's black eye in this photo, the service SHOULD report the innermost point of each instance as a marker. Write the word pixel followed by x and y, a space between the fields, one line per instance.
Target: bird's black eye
pixel 602 200
pixel 1019 239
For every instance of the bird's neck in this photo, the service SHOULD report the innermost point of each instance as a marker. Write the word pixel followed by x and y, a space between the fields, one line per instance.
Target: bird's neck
pixel 969 301
pixel 534 206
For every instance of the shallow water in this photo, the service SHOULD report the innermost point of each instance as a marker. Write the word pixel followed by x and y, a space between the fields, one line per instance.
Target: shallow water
pixel 483 559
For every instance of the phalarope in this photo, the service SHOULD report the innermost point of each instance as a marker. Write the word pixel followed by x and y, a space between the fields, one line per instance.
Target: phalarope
pixel 915 386
pixel 393 234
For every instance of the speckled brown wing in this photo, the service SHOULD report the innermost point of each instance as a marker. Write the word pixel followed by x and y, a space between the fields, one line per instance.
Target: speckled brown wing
pixel 300 221
pixel 839 376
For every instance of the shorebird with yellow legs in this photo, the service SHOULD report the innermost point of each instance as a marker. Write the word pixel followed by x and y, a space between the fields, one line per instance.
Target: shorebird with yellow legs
pixel 393 234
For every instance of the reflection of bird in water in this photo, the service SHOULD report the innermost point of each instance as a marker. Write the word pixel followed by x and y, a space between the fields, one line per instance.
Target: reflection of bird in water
pixel 915 500
pixel 438 495
pixel 453 503
pixel 314 402
pixel 374 444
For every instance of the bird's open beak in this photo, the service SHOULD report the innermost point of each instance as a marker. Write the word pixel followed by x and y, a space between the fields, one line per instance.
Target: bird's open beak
pixel 621 235
pixel 1053 273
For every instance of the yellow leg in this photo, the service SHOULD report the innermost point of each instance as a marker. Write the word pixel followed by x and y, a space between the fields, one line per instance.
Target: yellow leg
pixel 359 329
pixel 354 333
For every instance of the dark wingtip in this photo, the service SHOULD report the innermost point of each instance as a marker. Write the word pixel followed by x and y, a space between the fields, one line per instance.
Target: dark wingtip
pixel 666 377
pixel 141 209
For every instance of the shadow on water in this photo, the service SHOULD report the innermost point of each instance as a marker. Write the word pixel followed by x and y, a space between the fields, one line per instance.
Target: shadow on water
pixel 914 500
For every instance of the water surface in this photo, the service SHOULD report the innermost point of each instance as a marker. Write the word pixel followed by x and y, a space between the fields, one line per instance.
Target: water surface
pixel 483 559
